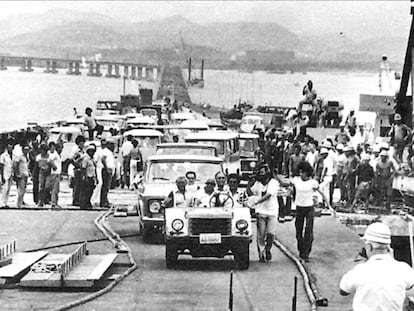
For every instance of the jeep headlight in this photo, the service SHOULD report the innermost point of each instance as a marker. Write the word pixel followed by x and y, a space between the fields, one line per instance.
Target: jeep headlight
pixel 242 225
pixel 177 224
pixel 252 164
pixel 154 206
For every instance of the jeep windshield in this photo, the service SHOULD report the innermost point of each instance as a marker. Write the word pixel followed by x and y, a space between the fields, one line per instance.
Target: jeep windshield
pixel 247 145
pixel 147 142
pixel 219 144
pixel 169 171
pixel 186 150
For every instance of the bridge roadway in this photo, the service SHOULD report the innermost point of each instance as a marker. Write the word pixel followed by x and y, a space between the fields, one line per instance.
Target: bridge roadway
pixel 196 284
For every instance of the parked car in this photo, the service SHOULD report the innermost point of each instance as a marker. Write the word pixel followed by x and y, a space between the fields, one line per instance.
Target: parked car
pixel 248 159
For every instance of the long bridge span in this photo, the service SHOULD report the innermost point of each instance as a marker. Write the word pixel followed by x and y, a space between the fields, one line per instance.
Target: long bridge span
pixel 114 69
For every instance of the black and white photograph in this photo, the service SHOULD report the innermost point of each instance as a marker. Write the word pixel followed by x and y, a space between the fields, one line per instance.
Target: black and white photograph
pixel 207 155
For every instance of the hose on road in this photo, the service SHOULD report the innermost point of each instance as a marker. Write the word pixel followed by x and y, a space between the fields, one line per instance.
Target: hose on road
pixel 105 228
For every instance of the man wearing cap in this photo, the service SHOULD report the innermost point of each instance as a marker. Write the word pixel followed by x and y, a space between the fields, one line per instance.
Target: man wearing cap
pixel 384 173
pixel 381 283
pixel 399 134
pixel 365 177
pixel 349 178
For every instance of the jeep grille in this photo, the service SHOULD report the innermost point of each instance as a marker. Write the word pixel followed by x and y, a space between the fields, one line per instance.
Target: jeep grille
pixel 210 225
pixel 245 165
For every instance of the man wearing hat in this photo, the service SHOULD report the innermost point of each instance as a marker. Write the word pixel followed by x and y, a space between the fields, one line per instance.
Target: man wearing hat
pixel 381 283
pixel 384 173
pixel 341 136
pixel 349 178
pixel 365 177
pixel 400 134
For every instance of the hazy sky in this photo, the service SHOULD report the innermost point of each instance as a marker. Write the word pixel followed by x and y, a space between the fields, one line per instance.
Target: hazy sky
pixel 353 18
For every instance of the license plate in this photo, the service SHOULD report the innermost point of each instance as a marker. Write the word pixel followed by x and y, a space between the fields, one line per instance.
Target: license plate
pixel 210 238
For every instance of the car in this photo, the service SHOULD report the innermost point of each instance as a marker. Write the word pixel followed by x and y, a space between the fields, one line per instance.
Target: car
pixel 139 122
pixel 248 159
pixel 250 123
pixel 147 140
pixel 186 148
pixel 65 135
pixel 158 180
pixel 208 232
pixel 226 143
pixel 178 117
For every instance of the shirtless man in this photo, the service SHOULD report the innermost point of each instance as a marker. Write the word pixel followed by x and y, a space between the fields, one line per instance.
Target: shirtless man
pixel 384 173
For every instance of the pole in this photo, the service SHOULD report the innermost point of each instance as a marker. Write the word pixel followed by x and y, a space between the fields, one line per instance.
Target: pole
pixel 295 291
pixel 124 82
pixel 231 292
pixel 410 235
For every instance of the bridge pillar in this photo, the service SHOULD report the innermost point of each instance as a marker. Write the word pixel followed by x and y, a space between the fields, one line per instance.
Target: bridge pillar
pixel 125 72
pixel 47 69
pixel 26 65
pixel 3 64
pixel 29 65
pixel 139 73
pixel 77 68
pixel 98 70
pixel 155 73
pixel 149 74
pixel 70 69
pixel 144 73
pixel 54 67
pixel 133 72
pixel 109 74
pixel 116 74
pixel 91 68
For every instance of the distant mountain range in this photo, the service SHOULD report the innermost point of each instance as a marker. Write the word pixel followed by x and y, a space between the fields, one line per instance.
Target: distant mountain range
pixel 79 31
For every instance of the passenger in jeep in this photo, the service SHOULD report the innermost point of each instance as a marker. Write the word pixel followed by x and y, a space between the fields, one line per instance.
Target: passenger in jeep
pixel 202 196
pixel 179 197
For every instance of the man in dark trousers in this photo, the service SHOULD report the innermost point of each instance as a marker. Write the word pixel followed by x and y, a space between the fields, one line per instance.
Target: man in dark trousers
pixel 76 159
pixel 88 171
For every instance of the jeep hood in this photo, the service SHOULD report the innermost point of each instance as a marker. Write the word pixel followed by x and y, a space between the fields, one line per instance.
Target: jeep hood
pixel 210 213
pixel 158 189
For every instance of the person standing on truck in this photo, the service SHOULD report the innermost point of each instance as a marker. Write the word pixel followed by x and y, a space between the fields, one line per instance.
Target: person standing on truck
pixel 310 96
pixel 92 125
pixel 400 134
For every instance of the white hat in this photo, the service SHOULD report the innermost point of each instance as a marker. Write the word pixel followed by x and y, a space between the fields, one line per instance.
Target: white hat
pixel 326 144
pixel 397 117
pixel 365 156
pixel 340 146
pixel 384 153
pixel 342 123
pixel 378 232
pixel 384 145
pixel 349 148
pixel 376 148
pixel 324 151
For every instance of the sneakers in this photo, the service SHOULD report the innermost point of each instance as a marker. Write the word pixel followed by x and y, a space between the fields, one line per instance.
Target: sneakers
pixel 281 219
pixel 268 255
pixel 288 218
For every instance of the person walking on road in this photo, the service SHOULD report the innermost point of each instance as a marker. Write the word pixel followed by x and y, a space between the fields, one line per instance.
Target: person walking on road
pixel 54 178
pixel 305 188
pixel 33 153
pixel 21 173
pixel 381 283
pixel 108 161
pixel 45 166
pixel 265 188
pixel 77 155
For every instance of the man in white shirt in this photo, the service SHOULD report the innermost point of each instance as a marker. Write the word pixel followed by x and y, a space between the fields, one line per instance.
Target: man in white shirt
pixel 54 177
pixel 202 196
pixel 126 149
pixel 21 173
pixel 265 188
pixel 381 283
pixel 6 171
pixel 108 161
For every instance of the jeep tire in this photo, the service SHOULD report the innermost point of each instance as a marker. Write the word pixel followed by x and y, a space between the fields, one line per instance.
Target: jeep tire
pixel 171 255
pixel 242 255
